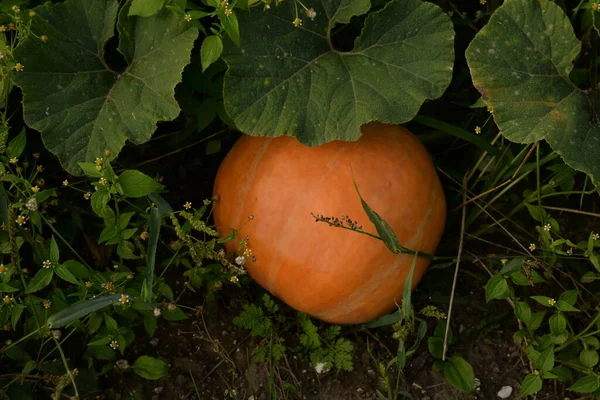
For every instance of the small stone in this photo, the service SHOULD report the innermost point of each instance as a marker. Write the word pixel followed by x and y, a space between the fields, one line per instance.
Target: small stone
pixel 505 392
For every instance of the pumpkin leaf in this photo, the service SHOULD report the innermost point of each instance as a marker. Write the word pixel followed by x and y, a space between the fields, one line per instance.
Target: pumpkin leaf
pixel 287 80
pixel 520 62
pixel 384 230
pixel 79 104
pixel 145 8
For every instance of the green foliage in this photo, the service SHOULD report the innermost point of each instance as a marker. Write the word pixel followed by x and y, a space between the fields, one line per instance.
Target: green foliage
pixel 326 350
pixel 81 105
pixel 279 80
pixel 264 321
pixel 86 260
pixel 150 368
pixel 554 347
pixel 521 62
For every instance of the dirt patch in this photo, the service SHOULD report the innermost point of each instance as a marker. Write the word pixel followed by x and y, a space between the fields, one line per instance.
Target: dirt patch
pixel 210 358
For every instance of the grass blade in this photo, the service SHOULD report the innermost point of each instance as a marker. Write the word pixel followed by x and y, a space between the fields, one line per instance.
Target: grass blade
pixel 76 311
pixel 152 245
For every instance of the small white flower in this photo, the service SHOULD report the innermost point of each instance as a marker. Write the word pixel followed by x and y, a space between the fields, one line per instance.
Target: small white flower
pixel 32 204
pixel 56 334
pixel 321 367
pixel 240 260
pixel 156 311
pixel 547 227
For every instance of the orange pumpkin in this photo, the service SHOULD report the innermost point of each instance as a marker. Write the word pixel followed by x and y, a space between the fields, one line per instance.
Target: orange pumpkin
pixel 333 274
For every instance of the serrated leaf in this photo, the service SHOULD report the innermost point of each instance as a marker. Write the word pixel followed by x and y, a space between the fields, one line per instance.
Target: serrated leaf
pixel 211 50
pixel 513 265
pixel 177 315
pixel 537 212
pixel 520 62
pixel 79 104
pixel 563 373
pixel 16 313
pixel 496 288
pixel 564 306
pixel 231 25
pixel 54 252
pixel 66 275
pixel 545 361
pixel 77 269
pixel 136 184
pixel 435 346
pixel 544 300
pixel 588 357
pixel 166 291
pixel 588 384
pixel 286 80
pixel 7 288
pixel 150 367
pixel 459 373
pixel 111 323
pixel 523 312
pixel 591 341
pixel 150 324
pixel 16 145
pixel 41 279
pixel 100 342
pixel 126 249
pixel 89 169
pixel 569 296
pixel 99 202
pixel 536 320
pixel 530 385
pixel 558 324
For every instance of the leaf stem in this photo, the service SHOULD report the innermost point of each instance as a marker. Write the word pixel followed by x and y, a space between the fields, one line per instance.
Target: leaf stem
pixel 66 363
pixel 64 241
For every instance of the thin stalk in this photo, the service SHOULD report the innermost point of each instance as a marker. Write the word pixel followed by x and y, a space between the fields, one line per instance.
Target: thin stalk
pixel 66 363
pixel 64 241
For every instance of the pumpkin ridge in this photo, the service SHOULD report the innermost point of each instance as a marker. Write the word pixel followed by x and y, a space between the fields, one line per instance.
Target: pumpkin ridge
pixel 351 304
pixel 243 192
pixel 330 167
pixel 356 299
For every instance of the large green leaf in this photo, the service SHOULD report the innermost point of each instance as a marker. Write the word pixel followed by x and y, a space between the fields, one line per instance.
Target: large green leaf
pixel 287 80
pixel 520 62
pixel 81 106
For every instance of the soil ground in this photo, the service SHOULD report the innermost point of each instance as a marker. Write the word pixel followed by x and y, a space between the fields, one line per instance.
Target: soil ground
pixel 209 357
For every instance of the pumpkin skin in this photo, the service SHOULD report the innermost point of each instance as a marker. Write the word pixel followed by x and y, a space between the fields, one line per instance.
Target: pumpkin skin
pixel 333 274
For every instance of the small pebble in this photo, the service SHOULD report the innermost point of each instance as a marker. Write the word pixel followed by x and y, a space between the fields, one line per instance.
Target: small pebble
pixel 505 392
